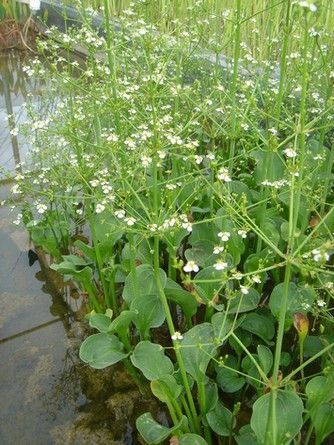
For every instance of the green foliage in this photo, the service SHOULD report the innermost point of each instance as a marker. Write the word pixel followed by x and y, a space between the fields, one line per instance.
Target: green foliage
pixel 151 360
pixel 102 350
pixel 154 433
pixel 204 190
pixel 289 411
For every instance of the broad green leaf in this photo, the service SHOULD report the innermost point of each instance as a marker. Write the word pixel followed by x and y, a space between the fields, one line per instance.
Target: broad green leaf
pixel 100 322
pixel 101 350
pixel 151 360
pixel 323 421
pixel 259 325
pixel 184 299
pixel 87 250
pixel 246 436
pixel 319 390
pixel 203 232
pixel 211 395
pixel 192 439
pixel 121 323
pixel 220 420
pixel 312 345
pixel 244 303
pixel 166 388
pixel 265 357
pixel 141 282
pixel 106 227
pixel 222 324
pixel 289 418
pixel 209 290
pixel 228 380
pixel 174 238
pixel 201 253
pixel 154 433
pixel 300 299
pixel 149 313
pixel 197 348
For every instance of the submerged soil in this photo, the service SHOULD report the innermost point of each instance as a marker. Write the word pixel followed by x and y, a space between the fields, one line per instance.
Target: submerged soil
pixel 17 35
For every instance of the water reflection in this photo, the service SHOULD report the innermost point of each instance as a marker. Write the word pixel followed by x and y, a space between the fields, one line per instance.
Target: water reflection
pixel 14 88
pixel 48 396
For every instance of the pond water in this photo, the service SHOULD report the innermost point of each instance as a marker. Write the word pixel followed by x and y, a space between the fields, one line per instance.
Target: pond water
pixel 47 395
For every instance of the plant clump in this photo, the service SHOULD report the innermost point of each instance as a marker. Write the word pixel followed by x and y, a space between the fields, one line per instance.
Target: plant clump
pixel 204 184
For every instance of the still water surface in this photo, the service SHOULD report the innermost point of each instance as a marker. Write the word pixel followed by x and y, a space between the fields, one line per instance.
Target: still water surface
pixel 47 396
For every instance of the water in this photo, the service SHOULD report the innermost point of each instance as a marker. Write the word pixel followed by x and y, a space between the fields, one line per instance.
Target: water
pixel 48 396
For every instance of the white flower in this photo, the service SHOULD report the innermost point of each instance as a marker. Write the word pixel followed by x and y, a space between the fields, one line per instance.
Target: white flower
pixel 18 219
pixel 321 303
pixel 14 131
pixel 329 285
pixel 237 275
pixel 223 175
pixel 16 189
pixel 256 279
pixel 273 131
pixel 308 5
pixel 191 266
pixel 220 265
pixel 41 208
pixel 94 182
pixel 224 236
pixel 130 221
pixel 318 256
pixel 242 233
pixel 161 154
pixel 218 249
pixel 79 211
pixel 120 213
pixel 177 336
pixel 290 153
pixel 99 208
pixel 198 159
pixel 146 161
pixel 244 289
pixel 188 226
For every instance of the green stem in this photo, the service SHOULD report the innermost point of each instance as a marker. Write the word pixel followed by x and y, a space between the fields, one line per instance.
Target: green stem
pixel 99 260
pixel 236 57
pixel 202 403
pixel 171 328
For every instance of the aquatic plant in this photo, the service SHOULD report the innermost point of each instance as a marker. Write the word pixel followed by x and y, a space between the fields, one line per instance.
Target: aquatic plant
pixel 204 188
